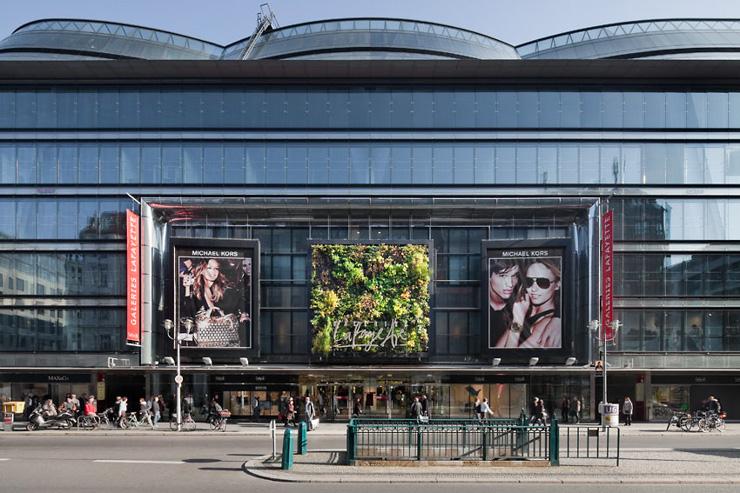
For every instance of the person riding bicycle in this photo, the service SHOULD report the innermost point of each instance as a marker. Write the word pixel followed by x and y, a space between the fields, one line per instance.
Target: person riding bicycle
pixel 712 405
pixel 90 407
pixel 214 411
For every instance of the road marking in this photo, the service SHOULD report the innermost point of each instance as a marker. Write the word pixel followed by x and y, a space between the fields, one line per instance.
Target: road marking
pixel 4 459
pixel 132 461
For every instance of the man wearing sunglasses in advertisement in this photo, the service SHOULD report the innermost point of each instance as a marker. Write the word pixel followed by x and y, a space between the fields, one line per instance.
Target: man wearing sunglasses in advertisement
pixel 536 318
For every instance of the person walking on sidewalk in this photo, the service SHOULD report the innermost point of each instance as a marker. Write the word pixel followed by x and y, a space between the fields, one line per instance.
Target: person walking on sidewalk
pixel 627 410
pixel 309 411
pixel 155 411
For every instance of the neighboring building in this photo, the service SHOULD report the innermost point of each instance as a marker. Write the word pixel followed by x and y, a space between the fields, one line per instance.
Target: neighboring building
pixel 373 131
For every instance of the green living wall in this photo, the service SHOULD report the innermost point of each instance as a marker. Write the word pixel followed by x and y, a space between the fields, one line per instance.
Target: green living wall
pixel 370 298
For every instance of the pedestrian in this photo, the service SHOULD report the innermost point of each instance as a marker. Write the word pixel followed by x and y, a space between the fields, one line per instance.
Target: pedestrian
pixel 145 411
pixel 712 405
pixel 627 409
pixel 290 413
pixel 357 408
pixel 564 411
pixel 485 409
pixel 90 406
pixel 309 413
pixel 255 407
pixel 416 410
pixel 424 405
pixel 476 407
pixel 575 410
pixel 156 411
pixel 122 409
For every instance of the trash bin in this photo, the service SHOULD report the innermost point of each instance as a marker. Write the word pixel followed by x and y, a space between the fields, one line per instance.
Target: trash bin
pixel 8 421
pixel 611 414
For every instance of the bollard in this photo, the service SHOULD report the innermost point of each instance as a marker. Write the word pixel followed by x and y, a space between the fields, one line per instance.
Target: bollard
pixel 287 461
pixel 273 434
pixel 554 442
pixel 302 438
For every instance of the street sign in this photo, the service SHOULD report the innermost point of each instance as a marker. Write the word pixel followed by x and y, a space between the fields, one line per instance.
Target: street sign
pixel 178 379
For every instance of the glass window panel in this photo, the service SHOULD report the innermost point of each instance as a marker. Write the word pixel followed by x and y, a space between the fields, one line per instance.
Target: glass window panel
pixel 234 164
pixel 465 109
pixel 318 164
pixel 109 164
pixel 696 271
pixel 591 109
pixel 733 275
pixel 443 165
pixel 486 109
pixel 633 110
pixel 213 164
pixel 570 104
pixel 673 331
pixel 359 108
pixel 87 219
pixel 655 110
pixel 506 111
pixel 734 105
pixel 694 158
pixel 675 274
pixel 717 110
pixel 151 163
pixel 88 164
pixel 422 110
pixel 550 109
pixel 652 328
pixel 7 163
pixel 610 164
pixel 631 164
pixel 732 174
pixel 402 158
pixel 568 164
pixel 401 108
pixel 528 111
pixel 696 110
pixel 68 228
pixel 422 164
pixel 715 165
pixel 47 164
pixel 714 322
pixel 7 108
pixel 675 109
pixel 359 164
pixel 590 163
pixel 192 161
pixel 47 220
pixel 612 109
pixel 485 164
pixel 675 163
pixel 130 155
pixel 505 165
pixel 380 158
pixel 338 165
pixel 694 330
pixel 444 109
pixel 128 110
pixel 281 331
pixel 26 164
pixel 464 160
pixel 26 219
pixel 107 108
pixel 297 171
pixel 547 165
pixel 381 107
pixel 171 164
pixel 7 218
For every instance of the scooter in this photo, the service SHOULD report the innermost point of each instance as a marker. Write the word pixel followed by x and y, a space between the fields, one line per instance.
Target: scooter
pixel 62 421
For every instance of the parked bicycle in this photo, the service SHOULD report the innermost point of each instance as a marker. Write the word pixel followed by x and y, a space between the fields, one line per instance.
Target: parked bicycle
pixel 134 421
pixel 188 423
pixel 679 419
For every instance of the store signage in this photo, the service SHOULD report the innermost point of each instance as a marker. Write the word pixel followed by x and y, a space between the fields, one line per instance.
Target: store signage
pixel 45 378
pixel 376 334
pixel 133 278
pixel 607 276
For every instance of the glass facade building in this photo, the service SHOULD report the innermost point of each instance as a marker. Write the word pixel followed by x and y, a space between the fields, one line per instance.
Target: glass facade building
pixel 373 131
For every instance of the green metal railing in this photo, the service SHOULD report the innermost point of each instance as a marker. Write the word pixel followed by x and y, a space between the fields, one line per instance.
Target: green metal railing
pixel 590 442
pixel 450 439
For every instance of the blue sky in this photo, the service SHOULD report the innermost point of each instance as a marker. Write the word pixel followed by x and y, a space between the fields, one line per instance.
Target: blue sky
pixel 225 21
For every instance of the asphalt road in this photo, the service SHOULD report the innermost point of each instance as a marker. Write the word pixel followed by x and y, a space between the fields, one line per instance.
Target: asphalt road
pixel 181 463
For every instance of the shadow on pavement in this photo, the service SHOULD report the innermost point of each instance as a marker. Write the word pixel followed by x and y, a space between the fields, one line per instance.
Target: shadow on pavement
pixel 713 452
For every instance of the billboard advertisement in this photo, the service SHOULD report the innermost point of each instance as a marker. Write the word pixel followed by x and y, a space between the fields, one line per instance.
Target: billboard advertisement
pixel 525 302
pixel 370 299
pixel 215 294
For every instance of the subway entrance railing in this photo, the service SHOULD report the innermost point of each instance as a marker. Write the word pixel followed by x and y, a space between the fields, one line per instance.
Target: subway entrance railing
pixel 476 440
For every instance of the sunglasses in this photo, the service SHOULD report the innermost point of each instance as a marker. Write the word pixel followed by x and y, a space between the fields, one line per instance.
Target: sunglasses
pixel 542 282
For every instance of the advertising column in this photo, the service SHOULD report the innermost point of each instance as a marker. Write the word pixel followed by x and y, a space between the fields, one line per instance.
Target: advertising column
pixel 133 322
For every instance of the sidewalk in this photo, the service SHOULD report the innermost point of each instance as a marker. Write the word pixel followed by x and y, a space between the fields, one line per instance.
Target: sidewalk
pixel 328 429
pixel 716 466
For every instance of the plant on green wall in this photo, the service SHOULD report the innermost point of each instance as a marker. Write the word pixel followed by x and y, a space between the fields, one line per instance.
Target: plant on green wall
pixel 370 298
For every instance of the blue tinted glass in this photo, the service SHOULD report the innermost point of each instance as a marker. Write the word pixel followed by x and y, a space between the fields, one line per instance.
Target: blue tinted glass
pixel 696 110
pixel 443 110
pixel 422 164
pixel 7 108
pixel 442 168
pixel 7 218
pixel 528 109
pixel 213 163
pixel 128 109
pixel 485 166
pixel 25 115
pixel 338 165
pixel 47 109
pixel 88 163
pixel 675 110
pixel 130 156
pixel 26 164
pixel 402 159
pixel 717 109
pixel 297 166
pixel 107 109
pixel 526 165
pixel 109 162
pixel 47 219
pixel 464 164
pixel 26 219
pixel 380 158
pixel 634 116
pixel 591 109
pixel 654 110
pixel 549 109
pixel 234 165
pixel 192 161
pixel 151 163
pixel 422 113
pixel 171 164
pixel 589 164
pixel 275 165
pixel 359 164
pixel 68 228
pixel 318 164
pixel 570 104
pixel 359 106
pixel 505 165
pixel 255 164
pixel 465 108
pixel 612 109
pixel 7 164
pixel 402 109
pixel 68 164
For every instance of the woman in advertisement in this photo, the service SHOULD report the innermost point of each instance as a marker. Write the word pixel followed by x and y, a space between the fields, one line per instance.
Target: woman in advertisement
pixel 504 287
pixel 535 316
pixel 215 303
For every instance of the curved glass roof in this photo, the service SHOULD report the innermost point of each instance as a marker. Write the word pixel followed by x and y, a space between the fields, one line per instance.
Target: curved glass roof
pixel 648 38
pixel 374 38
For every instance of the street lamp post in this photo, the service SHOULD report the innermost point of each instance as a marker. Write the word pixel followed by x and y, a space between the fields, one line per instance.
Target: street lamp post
pixel 595 325
pixel 178 337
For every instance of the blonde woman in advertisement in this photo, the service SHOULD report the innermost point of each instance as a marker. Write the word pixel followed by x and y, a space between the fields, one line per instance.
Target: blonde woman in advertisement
pixel 536 321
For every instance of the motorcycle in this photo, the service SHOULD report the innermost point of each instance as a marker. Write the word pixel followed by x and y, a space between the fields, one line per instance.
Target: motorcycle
pixel 62 421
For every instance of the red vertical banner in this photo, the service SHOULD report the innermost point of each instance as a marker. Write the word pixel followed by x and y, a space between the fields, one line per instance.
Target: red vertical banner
pixel 133 278
pixel 607 275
